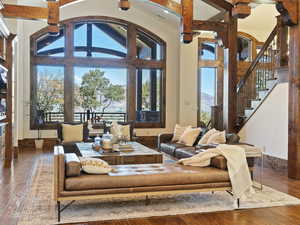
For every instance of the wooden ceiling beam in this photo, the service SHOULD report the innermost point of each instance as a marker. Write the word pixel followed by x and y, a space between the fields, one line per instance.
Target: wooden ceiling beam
pixel 53 17
pixel 124 4
pixel 168 4
pixel 218 17
pixel 289 11
pixel 221 28
pixel 187 21
pixel 209 25
pixel 241 8
pixel 219 4
pixel 24 12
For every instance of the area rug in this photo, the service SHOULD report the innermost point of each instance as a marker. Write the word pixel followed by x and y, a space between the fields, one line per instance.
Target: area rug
pixel 40 208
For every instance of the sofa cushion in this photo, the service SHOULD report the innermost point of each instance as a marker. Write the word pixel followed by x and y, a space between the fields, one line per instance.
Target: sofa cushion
pixel 95 166
pixel 189 136
pixel 186 152
pixel 147 175
pixel 72 132
pixel 73 165
pixel 85 130
pixel 178 131
pixel 170 148
pixel 217 138
pixel 206 136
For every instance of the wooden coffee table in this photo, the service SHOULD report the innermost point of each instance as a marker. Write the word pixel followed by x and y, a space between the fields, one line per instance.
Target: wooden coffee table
pixel 140 155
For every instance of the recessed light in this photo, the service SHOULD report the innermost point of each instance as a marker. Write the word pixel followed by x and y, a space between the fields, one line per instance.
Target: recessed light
pixel 166 11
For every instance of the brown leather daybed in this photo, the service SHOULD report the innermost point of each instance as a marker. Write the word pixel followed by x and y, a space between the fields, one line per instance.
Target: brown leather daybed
pixel 141 179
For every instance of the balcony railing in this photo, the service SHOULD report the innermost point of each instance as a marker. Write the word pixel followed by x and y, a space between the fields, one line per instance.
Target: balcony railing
pixel 51 117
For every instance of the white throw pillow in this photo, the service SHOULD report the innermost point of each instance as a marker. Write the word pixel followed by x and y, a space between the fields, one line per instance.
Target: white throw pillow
pixel 95 166
pixel 217 138
pixel 118 130
pixel 189 136
pixel 205 137
pixel 72 133
pixel 178 131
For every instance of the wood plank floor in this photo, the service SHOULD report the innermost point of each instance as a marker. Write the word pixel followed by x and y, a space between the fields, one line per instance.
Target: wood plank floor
pixel 15 183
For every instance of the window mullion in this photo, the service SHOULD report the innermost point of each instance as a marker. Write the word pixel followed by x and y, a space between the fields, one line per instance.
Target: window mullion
pixel 131 78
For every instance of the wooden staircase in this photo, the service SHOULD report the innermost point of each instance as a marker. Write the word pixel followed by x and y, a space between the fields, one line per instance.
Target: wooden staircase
pixel 259 80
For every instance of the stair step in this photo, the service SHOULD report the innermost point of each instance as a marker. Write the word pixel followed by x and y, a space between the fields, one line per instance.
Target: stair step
pixel 270 83
pixel 262 94
pixel 255 103
pixel 248 112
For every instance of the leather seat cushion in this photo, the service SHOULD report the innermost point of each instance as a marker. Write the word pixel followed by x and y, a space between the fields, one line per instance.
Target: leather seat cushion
pixel 170 148
pixel 185 152
pixel 147 175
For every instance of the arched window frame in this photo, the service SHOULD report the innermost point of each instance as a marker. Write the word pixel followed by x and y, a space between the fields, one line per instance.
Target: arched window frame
pixel 131 62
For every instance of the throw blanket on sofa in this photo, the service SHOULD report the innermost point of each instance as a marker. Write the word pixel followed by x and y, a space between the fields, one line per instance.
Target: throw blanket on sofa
pixel 236 163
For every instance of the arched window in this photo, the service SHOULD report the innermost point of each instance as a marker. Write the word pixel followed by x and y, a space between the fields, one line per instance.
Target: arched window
pixel 99 68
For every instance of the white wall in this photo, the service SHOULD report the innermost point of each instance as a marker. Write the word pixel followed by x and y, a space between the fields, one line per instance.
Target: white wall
pixel 268 127
pixel 188 83
pixel 261 21
pixel 159 26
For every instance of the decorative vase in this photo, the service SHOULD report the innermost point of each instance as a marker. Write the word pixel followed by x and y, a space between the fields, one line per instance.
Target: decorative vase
pixel 39 143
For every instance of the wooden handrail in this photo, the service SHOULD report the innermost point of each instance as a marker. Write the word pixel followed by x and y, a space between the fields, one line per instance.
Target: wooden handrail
pixel 257 58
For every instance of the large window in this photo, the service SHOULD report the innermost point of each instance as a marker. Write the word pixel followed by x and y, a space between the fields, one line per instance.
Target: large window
pixel 104 68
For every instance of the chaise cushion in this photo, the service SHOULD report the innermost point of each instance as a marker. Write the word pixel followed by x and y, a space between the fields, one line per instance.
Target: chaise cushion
pixel 147 175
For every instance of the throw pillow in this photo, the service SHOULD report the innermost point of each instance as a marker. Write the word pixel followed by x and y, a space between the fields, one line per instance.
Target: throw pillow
pixel 204 139
pixel 95 166
pixel 72 133
pixel 178 131
pixel 217 138
pixel 189 136
pixel 118 130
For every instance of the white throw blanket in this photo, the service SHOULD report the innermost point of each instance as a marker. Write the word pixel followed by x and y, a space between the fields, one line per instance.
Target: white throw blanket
pixel 236 163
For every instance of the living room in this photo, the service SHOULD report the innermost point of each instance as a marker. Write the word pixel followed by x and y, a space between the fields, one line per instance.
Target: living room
pixel 146 91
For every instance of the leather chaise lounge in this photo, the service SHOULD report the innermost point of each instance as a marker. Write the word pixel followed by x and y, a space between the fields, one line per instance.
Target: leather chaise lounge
pixel 71 184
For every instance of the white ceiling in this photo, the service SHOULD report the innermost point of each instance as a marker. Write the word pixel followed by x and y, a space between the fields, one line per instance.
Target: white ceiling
pixel 202 11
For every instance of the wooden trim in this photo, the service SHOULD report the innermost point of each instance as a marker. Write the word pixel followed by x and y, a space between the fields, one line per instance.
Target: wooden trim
pixel 249 36
pixel 8 154
pixel 139 194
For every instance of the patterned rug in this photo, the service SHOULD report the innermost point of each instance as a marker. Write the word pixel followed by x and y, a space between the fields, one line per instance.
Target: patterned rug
pixel 40 208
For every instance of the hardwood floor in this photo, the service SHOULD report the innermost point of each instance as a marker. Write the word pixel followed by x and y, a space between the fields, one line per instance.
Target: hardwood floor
pixel 15 183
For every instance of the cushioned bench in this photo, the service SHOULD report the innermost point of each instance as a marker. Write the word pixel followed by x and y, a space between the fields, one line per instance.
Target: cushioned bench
pixel 126 180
